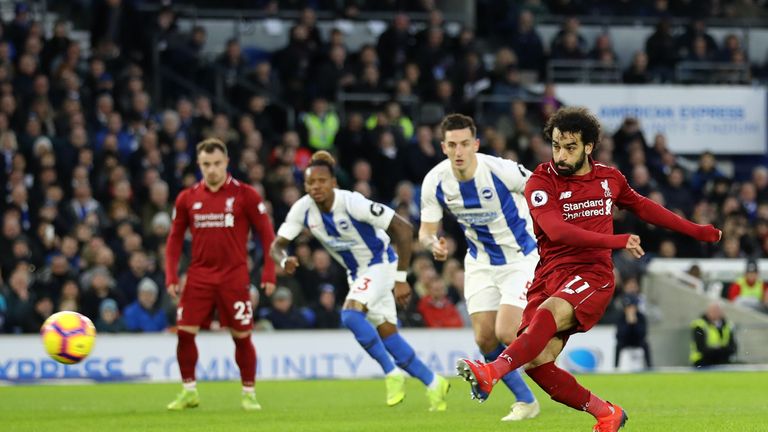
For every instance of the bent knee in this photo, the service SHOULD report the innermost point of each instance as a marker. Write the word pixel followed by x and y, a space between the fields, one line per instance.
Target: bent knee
pixel 506 336
pixel 541 359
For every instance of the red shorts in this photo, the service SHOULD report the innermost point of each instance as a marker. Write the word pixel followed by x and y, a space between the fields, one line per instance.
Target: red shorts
pixel 198 301
pixel 590 294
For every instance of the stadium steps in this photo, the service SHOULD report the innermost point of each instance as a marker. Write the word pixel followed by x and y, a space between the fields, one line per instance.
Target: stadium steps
pixel 679 305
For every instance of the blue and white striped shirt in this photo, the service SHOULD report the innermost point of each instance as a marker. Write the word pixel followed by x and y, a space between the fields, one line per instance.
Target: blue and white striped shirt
pixel 353 232
pixel 490 208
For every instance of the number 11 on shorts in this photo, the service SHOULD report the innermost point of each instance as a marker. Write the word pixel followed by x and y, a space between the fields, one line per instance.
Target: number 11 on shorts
pixel 578 290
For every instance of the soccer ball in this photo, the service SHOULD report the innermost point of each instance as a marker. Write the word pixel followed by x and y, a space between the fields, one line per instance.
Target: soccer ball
pixel 68 336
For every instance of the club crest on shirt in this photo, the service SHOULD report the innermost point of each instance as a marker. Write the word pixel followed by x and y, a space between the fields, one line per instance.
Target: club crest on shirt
pixel 229 205
pixel 539 198
pixel 344 224
pixel 606 188
pixel 486 193
pixel 377 209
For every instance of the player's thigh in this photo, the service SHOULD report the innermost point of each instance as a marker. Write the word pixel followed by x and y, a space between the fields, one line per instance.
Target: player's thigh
pixel 195 305
pixel 373 288
pixel 480 291
pixel 589 294
pixel 514 279
pixel 234 304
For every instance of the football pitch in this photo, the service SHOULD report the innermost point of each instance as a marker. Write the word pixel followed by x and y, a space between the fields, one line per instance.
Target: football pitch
pixel 703 401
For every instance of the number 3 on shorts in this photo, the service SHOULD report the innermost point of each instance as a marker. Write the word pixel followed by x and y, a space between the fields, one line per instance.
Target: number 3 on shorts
pixel 569 290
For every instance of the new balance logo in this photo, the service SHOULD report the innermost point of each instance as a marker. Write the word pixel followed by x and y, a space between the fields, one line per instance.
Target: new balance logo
pixel 565 195
pixel 197 206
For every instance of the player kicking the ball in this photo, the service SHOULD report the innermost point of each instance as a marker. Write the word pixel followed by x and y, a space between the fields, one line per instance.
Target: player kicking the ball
pixel 356 232
pixel 571 199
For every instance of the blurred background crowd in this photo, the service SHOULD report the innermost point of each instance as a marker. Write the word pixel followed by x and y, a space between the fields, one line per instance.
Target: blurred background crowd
pixel 101 108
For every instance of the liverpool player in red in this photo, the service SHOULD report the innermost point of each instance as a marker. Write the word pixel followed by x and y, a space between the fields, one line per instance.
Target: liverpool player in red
pixel 571 199
pixel 219 212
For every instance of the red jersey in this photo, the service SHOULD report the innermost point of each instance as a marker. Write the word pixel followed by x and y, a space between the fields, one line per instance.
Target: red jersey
pixel 219 222
pixel 573 222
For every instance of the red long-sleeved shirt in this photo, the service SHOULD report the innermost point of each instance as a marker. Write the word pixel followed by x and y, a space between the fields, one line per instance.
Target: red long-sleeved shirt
pixel 573 222
pixel 219 222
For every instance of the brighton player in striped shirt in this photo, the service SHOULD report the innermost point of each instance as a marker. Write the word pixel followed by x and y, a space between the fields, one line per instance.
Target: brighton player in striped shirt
pixel 356 232
pixel 485 194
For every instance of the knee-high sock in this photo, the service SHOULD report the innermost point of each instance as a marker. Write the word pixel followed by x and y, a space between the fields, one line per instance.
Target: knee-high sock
pixel 563 387
pixel 514 380
pixel 405 358
pixel 245 356
pixel 528 345
pixel 186 355
pixel 367 337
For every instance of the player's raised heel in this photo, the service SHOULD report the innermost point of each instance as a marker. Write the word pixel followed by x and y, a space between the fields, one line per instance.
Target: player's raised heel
pixel 395 388
pixel 473 373
pixel 185 399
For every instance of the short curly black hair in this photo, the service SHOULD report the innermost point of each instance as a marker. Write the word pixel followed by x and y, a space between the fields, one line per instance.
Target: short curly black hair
pixel 574 120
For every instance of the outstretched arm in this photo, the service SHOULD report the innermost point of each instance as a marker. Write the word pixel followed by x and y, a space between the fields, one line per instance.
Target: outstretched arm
pixel 401 232
pixel 653 213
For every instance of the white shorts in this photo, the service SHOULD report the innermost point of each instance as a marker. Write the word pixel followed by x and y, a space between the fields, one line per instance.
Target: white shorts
pixel 373 288
pixel 487 286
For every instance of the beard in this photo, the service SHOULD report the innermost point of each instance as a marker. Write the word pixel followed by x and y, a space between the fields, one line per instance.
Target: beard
pixel 569 170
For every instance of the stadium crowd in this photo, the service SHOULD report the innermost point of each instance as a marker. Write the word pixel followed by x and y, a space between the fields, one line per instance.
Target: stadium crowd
pixel 90 163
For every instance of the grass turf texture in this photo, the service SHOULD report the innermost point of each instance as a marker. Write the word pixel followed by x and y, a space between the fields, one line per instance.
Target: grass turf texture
pixel 705 401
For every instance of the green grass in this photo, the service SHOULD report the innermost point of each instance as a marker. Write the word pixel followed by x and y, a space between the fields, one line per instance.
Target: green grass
pixel 655 402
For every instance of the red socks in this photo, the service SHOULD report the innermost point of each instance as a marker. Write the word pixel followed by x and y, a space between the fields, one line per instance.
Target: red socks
pixel 186 355
pixel 528 345
pixel 562 387
pixel 245 356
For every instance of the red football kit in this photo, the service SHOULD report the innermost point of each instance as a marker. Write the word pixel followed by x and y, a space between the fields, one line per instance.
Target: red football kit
pixel 573 223
pixel 218 272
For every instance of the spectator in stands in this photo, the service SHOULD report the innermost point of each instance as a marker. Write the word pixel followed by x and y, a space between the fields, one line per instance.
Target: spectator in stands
pixel 99 285
pixel 283 315
pixel 571 29
pixel 69 300
pixel 327 313
pixel 423 154
pixel 662 51
pixel 395 45
pixel 109 318
pixel 527 44
pixel 713 340
pixel 749 289
pixel 676 193
pixel 20 300
pixel 760 180
pixel 320 126
pixel 696 29
pixel 145 314
pixel 632 326
pixel 436 308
